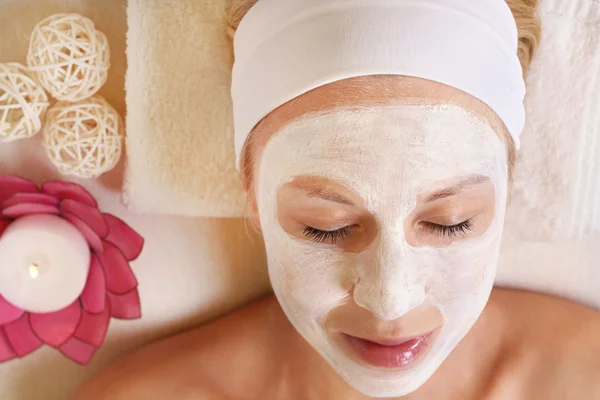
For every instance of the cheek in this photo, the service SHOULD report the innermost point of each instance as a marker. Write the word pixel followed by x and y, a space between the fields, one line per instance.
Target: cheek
pixel 463 280
pixel 307 280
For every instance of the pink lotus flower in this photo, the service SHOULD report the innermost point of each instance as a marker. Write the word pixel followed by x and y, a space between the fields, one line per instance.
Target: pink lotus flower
pixel 78 330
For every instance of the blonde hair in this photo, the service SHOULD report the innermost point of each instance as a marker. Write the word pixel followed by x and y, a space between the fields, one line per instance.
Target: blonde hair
pixel 524 12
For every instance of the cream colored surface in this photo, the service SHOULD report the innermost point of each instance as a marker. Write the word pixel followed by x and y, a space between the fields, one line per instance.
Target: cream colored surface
pixel 190 270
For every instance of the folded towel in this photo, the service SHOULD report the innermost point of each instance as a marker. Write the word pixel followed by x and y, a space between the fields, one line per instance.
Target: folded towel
pixel 552 235
pixel 179 115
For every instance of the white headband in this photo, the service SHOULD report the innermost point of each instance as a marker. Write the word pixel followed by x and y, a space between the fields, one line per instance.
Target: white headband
pixel 284 48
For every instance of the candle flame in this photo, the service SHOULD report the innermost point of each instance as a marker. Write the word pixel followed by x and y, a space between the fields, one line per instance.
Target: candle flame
pixel 34 271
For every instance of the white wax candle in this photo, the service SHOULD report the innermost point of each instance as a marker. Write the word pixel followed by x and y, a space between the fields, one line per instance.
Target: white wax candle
pixel 44 262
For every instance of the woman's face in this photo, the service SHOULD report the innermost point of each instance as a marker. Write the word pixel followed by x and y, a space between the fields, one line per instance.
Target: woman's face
pixel 382 225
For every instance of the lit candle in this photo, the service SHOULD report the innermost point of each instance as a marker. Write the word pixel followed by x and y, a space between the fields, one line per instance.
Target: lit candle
pixel 44 262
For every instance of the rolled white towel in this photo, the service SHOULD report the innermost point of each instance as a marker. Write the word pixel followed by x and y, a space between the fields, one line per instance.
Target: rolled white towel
pixel 552 234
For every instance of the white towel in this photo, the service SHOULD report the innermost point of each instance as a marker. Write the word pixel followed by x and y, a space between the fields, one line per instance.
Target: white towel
pixel 552 235
pixel 179 115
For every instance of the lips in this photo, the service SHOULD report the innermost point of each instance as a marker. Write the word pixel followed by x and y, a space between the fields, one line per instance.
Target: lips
pixel 390 353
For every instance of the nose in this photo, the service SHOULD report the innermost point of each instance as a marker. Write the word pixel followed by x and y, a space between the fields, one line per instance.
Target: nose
pixel 386 285
pixel 388 298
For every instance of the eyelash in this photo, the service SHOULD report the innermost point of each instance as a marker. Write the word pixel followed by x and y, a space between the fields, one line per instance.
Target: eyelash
pixel 450 230
pixel 319 236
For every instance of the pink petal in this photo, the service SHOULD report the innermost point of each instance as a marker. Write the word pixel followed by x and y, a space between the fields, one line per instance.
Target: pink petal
pixel 4 223
pixel 90 215
pixel 8 312
pixel 126 239
pixel 92 328
pixel 88 233
pixel 22 209
pixel 36 198
pixel 93 297
pixel 6 350
pixel 11 185
pixel 21 336
pixel 57 327
pixel 78 351
pixel 118 274
pixel 126 306
pixel 69 191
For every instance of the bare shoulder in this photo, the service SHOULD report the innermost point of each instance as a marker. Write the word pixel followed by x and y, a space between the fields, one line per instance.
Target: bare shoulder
pixel 200 363
pixel 557 351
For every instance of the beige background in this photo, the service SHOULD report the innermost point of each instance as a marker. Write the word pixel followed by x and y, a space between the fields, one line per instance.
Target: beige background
pixel 191 269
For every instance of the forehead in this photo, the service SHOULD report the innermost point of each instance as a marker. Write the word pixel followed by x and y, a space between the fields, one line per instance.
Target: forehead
pixel 410 144
pixel 367 91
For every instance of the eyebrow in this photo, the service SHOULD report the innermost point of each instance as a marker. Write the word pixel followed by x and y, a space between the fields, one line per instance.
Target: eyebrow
pixel 326 194
pixel 456 188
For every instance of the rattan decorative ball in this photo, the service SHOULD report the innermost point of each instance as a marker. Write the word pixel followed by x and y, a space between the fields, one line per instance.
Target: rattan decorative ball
pixel 22 103
pixel 69 56
pixel 85 138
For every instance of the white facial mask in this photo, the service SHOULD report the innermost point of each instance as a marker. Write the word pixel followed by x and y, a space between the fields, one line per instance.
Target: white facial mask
pixel 387 155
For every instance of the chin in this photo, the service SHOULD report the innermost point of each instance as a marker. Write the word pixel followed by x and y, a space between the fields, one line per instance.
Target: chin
pixel 381 382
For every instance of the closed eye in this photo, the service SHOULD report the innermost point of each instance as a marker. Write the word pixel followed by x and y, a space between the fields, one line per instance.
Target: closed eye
pixel 450 231
pixel 331 237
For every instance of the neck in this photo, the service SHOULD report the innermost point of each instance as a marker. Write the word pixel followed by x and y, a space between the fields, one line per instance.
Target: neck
pixel 468 373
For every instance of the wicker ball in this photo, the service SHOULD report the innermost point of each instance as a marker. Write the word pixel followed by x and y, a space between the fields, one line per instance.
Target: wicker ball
pixel 22 103
pixel 69 56
pixel 84 139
